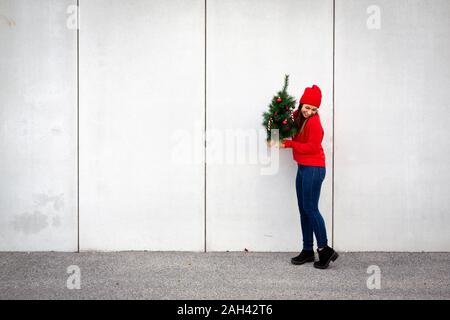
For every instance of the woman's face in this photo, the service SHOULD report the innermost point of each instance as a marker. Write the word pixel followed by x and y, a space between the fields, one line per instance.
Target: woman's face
pixel 308 110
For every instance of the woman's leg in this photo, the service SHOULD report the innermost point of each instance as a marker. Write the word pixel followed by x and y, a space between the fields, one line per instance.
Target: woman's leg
pixel 312 178
pixel 307 230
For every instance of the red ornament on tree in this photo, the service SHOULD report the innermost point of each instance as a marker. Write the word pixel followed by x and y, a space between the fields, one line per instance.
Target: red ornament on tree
pixel 284 121
pixel 279 99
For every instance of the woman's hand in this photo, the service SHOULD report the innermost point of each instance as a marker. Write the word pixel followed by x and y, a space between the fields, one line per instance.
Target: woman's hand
pixel 276 144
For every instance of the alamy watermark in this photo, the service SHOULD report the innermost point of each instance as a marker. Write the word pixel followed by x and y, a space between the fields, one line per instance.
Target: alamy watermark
pixel 72 21
pixel 374 280
pixel 74 280
pixel 225 147
pixel 374 20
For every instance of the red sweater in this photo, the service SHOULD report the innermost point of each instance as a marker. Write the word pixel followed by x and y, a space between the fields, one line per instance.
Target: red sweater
pixel 307 146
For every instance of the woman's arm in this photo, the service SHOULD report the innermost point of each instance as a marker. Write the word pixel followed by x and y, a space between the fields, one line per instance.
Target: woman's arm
pixel 312 146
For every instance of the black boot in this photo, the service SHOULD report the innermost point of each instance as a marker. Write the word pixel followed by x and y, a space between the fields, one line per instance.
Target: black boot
pixel 304 256
pixel 326 255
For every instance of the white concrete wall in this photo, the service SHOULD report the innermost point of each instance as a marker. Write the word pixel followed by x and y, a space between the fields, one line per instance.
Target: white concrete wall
pixel 141 80
pixel 37 127
pixel 391 126
pixel 142 113
pixel 250 46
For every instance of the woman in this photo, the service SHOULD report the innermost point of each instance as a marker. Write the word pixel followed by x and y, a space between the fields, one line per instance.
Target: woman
pixel 310 158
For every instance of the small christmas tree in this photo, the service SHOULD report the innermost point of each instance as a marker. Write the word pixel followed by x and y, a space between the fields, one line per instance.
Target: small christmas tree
pixel 280 115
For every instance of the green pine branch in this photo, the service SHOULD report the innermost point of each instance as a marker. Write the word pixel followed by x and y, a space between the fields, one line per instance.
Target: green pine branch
pixel 279 114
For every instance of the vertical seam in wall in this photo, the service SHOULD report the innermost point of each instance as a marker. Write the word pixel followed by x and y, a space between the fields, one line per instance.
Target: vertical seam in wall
pixel 204 176
pixel 78 126
pixel 333 138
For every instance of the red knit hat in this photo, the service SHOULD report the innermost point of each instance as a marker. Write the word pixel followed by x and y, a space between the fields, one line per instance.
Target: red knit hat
pixel 312 96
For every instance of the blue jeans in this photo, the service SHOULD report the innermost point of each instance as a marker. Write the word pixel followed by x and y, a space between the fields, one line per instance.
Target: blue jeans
pixel 308 183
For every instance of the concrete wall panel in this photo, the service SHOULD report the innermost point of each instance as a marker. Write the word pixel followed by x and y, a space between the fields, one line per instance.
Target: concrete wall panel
pixel 391 125
pixel 141 85
pixel 38 173
pixel 250 46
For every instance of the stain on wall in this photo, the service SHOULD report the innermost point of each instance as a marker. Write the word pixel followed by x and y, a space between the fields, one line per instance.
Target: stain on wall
pixel 42 200
pixel 30 223
pixel 56 221
pixel 46 211
pixel 56 131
